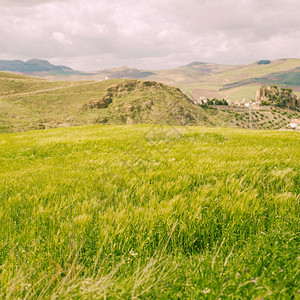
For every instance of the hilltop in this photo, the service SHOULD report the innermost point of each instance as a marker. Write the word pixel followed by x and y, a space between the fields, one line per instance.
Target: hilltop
pixel 124 72
pixel 145 102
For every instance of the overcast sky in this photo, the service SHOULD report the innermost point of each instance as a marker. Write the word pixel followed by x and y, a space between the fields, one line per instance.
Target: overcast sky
pixel 148 34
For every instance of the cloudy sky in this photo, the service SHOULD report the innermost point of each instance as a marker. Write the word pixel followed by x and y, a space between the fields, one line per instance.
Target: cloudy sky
pixel 148 34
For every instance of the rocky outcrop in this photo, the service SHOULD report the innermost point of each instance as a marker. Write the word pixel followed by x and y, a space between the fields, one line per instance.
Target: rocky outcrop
pixel 283 97
pixel 119 90
pixel 146 102
pixel 103 102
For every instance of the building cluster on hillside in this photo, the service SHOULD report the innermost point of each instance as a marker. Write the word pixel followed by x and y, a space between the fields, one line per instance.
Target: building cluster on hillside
pixel 265 96
pixel 201 101
pixel 253 104
pixel 295 124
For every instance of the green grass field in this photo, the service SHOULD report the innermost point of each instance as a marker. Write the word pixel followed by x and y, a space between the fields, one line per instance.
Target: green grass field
pixel 149 212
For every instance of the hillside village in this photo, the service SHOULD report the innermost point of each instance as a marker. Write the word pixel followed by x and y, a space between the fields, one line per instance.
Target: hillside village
pixel 269 99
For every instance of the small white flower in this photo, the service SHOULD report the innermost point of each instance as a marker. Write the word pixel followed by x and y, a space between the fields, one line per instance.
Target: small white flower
pixel 132 253
pixel 206 291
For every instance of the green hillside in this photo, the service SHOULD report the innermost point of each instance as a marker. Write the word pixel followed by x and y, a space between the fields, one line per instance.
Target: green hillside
pixel 147 102
pixel 149 212
pixel 244 81
pixel 28 103
pixel 262 118
pixel 12 84
pixel 231 82
pixel 199 78
pixel 287 78
pixel 255 70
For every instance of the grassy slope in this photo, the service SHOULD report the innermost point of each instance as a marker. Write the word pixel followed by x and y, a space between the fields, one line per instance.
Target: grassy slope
pixel 212 77
pixel 261 118
pixel 149 212
pixel 14 84
pixel 191 74
pixel 154 103
pixel 254 70
pixel 287 78
pixel 278 72
pixel 247 91
pixel 27 103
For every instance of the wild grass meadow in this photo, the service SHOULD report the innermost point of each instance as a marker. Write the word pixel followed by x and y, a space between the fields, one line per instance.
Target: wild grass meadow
pixel 149 212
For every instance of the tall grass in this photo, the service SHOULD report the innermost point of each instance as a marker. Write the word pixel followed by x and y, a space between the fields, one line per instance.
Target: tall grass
pixel 149 212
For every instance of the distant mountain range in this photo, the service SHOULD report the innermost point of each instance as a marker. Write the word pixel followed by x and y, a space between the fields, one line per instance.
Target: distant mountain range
pixel 197 79
pixel 33 66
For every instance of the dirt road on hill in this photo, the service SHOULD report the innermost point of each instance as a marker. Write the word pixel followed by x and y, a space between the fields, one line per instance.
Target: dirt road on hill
pixel 48 90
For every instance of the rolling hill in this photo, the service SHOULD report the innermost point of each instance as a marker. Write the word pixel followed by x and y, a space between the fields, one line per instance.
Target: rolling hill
pixel 28 103
pixel 231 82
pixel 197 79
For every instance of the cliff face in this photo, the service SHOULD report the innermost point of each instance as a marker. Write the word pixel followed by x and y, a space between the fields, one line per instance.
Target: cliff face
pixel 283 97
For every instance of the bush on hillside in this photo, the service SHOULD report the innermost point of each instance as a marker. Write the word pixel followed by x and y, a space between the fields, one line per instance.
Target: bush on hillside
pixel 263 62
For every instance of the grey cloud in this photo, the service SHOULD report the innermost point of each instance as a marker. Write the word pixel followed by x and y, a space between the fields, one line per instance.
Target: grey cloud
pixel 95 34
pixel 23 3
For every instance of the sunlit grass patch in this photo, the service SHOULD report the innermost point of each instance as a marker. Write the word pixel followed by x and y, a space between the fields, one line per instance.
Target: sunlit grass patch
pixel 149 212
